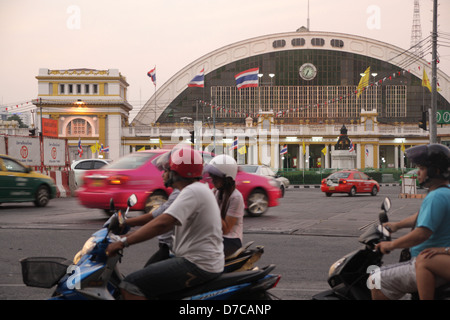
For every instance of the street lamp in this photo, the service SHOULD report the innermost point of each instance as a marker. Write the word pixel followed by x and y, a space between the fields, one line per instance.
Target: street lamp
pixel 374 74
pixel 271 75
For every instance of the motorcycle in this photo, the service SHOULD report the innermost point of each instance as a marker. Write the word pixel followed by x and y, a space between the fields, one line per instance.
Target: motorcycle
pixel 93 275
pixel 348 276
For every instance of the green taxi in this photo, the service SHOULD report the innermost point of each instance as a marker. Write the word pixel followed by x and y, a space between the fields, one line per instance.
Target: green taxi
pixel 19 183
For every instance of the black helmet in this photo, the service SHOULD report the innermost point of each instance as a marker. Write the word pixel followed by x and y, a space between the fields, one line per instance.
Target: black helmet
pixel 435 157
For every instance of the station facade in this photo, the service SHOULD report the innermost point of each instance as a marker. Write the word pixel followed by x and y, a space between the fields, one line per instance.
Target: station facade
pixel 307 92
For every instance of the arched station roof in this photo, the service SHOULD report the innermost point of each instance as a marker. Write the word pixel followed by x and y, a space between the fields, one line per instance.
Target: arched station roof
pixel 358 45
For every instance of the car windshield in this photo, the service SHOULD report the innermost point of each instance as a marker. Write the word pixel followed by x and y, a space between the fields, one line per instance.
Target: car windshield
pixel 131 161
pixel 249 169
pixel 339 175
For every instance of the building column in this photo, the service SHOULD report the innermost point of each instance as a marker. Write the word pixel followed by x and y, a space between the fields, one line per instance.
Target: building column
pixel 396 157
pixel 327 157
pixel 301 157
pixel 358 155
pixel 102 129
pixel 307 164
pixel 376 155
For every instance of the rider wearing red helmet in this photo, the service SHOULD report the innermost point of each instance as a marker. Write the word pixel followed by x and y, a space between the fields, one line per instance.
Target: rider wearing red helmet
pixel 197 247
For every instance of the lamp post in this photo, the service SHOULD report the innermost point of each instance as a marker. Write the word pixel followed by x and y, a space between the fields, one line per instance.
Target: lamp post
pixel 374 74
pixel 271 75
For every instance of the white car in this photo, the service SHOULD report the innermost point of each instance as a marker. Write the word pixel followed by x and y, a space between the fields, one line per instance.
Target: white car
pixel 79 168
pixel 264 170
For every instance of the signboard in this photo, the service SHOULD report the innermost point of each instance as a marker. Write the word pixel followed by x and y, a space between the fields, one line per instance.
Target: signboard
pixel 2 145
pixel 25 149
pixel 443 117
pixel 50 128
pixel 54 152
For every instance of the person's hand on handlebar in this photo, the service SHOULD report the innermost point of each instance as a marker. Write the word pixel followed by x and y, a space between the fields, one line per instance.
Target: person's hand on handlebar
pixel 384 247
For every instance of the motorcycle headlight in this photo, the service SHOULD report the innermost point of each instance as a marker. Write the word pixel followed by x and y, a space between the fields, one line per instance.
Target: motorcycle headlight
pixel 87 247
pixel 335 266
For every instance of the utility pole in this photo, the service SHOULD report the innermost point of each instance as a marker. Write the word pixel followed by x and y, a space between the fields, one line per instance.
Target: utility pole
pixel 433 126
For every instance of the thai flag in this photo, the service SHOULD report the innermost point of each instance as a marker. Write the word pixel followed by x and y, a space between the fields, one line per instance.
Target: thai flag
pixel 283 150
pixel 367 152
pixel 234 145
pixel 198 80
pixel 80 148
pixel 104 149
pixel 248 78
pixel 352 147
pixel 152 75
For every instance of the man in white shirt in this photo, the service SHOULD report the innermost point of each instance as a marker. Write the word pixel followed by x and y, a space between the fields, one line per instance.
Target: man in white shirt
pixel 197 246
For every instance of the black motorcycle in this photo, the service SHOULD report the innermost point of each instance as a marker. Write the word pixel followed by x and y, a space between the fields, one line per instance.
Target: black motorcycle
pixel 348 277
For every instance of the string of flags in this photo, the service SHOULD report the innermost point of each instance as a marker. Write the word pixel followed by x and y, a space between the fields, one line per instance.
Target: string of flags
pixel 362 86
pixel 11 108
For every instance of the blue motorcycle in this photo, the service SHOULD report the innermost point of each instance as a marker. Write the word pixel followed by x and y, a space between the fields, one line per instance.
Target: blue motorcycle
pixel 93 275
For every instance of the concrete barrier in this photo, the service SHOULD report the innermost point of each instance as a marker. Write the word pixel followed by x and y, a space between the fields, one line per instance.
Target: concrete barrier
pixel 62 183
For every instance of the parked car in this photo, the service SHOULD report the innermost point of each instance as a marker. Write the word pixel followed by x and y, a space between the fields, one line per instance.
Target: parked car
pixel 19 183
pixel 263 170
pixel 79 168
pixel 349 181
pixel 134 173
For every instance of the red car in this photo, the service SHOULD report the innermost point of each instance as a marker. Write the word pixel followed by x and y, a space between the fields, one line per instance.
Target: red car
pixel 134 173
pixel 349 181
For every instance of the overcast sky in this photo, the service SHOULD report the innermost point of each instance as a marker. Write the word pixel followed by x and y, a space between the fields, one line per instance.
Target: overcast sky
pixel 135 35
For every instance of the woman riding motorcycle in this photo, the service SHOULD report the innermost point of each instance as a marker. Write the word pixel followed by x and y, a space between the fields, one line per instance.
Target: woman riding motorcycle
pixel 223 170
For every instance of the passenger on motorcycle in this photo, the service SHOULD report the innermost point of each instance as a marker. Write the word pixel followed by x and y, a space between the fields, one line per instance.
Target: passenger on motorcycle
pixel 164 240
pixel 223 170
pixel 431 224
pixel 431 263
pixel 197 246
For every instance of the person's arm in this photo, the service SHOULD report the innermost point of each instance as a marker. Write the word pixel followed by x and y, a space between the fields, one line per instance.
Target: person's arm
pixel 228 223
pixel 139 221
pixel 415 237
pixel 145 218
pixel 408 222
pixel 155 227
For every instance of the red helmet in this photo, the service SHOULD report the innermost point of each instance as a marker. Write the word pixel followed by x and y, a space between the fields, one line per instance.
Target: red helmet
pixel 186 162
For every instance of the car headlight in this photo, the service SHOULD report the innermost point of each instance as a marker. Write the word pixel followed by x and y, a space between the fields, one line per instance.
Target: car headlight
pixel 335 266
pixel 274 183
pixel 87 247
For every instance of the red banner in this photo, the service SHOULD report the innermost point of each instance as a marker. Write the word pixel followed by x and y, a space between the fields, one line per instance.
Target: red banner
pixel 49 128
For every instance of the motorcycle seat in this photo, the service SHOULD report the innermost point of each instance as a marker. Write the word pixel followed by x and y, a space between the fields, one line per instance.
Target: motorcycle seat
pixel 223 281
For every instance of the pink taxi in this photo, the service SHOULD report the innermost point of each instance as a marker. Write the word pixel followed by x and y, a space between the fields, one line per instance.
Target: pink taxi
pixel 135 174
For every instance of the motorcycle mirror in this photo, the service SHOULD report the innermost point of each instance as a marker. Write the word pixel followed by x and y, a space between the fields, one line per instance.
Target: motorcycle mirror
pixel 111 205
pixel 386 205
pixel 132 200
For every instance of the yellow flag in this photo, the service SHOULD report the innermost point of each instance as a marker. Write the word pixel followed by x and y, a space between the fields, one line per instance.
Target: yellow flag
pixel 324 150
pixel 426 81
pixel 403 147
pixel 364 82
pixel 304 148
pixel 93 148
pixel 160 143
pixel 242 150
pixel 141 149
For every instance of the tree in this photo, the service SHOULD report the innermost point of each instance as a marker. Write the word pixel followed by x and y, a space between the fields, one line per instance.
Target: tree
pixel 18 119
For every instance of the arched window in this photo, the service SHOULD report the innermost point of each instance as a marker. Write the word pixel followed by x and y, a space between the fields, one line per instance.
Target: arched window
pixel 79 127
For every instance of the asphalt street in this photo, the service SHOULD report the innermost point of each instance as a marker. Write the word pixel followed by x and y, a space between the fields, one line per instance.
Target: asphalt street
pixel 302 236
